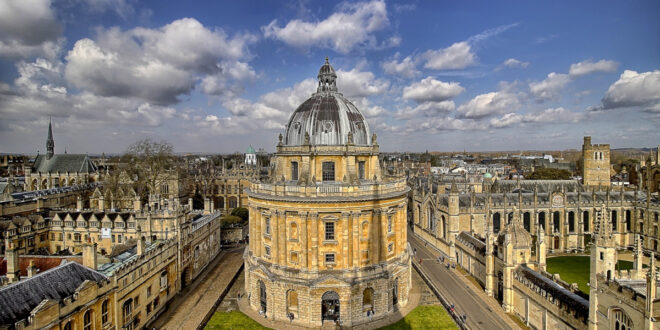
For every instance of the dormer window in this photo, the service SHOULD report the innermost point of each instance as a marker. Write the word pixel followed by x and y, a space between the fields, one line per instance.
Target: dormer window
pixel 294 171
pixel 328 171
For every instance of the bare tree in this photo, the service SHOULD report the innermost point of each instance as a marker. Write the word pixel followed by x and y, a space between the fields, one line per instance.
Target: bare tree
pixel 149 161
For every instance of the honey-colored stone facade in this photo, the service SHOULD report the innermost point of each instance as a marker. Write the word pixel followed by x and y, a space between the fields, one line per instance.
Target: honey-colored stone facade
pixel 595 163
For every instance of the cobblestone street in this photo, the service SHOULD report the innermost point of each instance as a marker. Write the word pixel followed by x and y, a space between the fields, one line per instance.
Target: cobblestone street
pixel 187 311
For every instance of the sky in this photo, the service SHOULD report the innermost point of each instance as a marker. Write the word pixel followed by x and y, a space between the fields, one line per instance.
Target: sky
pixel 217 76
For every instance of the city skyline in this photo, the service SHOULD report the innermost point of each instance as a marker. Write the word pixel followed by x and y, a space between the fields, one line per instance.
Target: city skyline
pixel 217 77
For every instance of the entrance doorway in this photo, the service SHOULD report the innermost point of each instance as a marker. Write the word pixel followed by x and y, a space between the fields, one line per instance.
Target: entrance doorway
pixel 330 306
pixel 184 277
pixel 395 292
pixel 556 242
pixel 500 287
pixel 262 297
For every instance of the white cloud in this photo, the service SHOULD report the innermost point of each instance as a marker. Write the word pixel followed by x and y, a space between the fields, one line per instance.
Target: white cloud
pixel 550 87
pixel 429 89
pixel 489 104
pixel 28 28
pixel 356 83
pixel 428 109
pixel 407 68
pixel 439 124
pixel 589 66
pixel 634 89
pixel 550 115
pixel 514 63
pixel 457 56
pixel 352 25
pixel 158 65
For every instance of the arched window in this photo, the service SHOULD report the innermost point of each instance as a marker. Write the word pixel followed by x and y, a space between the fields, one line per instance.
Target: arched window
pixel 367 299
pixel 555 221
pixel 87 320
pixel 614 220
pixel 621 320
pixel 542 221
pixel 443 226
pixel 293 232
pixel 496 222
pixel 571 222
pixel 104 312
pixel 67 326
pixel 527 222
pixel 585 221
pixel 127 309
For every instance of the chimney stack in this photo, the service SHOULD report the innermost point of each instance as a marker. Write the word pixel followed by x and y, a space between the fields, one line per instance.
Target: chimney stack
pixel 89 255
pixel 32 269
pixel 11 255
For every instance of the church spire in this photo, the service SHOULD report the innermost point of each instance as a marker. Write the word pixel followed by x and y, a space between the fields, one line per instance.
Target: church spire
pixel 50 143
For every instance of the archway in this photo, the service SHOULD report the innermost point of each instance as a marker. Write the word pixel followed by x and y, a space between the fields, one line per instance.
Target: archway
pixel 262 297
pixel 184 277
pixel 527 221
pixel 330 306
pixel 395 292
pixel 496 223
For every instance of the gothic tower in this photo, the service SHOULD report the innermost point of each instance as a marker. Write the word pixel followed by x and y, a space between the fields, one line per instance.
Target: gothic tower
pixel 595 163
pixel 50 143
pixel 603 260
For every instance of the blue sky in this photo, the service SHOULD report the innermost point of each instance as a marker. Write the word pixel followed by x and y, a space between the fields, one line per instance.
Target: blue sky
pixel 213 76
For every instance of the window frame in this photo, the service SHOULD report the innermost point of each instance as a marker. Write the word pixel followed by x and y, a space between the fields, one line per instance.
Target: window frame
pixel 329 235
pixel 328 171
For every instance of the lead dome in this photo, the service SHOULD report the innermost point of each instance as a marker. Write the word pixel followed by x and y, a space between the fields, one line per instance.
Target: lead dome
pixel 327 116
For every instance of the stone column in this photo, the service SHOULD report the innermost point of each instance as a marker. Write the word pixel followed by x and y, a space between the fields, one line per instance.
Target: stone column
pixel 314 224
pixel 355 239
pixel 274 237
pixel 282 252
pixel 303 240
pixel 374 251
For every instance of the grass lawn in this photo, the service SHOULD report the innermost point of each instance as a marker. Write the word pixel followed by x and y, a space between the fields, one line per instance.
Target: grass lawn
pixel 424 317
pixel 232 320
pixel 575 269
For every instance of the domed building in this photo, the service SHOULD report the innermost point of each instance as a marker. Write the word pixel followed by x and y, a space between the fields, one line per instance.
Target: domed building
pixel 328 238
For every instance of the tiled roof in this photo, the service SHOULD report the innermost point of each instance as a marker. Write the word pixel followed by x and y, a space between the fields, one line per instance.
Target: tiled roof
pixel 19 299
pixel 64 163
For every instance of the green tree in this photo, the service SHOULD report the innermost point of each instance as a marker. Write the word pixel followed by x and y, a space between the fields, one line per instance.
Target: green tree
pixel 241 212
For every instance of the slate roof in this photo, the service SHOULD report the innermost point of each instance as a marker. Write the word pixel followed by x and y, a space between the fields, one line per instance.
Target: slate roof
pixel 63 163
pixel 19 299
pixel 569 298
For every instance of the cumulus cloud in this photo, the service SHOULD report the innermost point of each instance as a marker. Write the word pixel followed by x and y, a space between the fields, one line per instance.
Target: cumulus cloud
pixel 352 25
pixel 457 56
pixel 427 109
pixel 157 65
pixel 489 104
pixel 634 89
pixel 589 66
pixel 356 83
pixel 431 90
pixel 28 28
pixel 550 87
pixel 550 115
pixel 406 68
pixel 514 63
pixel 439 124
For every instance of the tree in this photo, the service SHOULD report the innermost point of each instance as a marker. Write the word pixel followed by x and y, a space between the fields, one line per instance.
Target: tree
pixel 241 212
pixel 550 174
pixel 149 161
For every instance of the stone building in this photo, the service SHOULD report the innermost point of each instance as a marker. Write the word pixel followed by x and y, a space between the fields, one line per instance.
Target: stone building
pixel 250 157
pixel 328 238
pixel 595 163
pixel 58 170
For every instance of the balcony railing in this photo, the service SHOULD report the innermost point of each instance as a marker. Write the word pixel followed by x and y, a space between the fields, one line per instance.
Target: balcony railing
pixel 290 189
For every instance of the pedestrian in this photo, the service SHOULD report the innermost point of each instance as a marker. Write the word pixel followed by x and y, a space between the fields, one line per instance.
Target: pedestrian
pixel 415 251
pixel 420 261
pixel 464 317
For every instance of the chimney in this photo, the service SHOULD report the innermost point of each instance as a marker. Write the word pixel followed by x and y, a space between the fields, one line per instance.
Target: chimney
pixel 79 203
pixel 11 255
pixel 89 255
pixel 32 269
pixel 190 203
pixel 141 245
